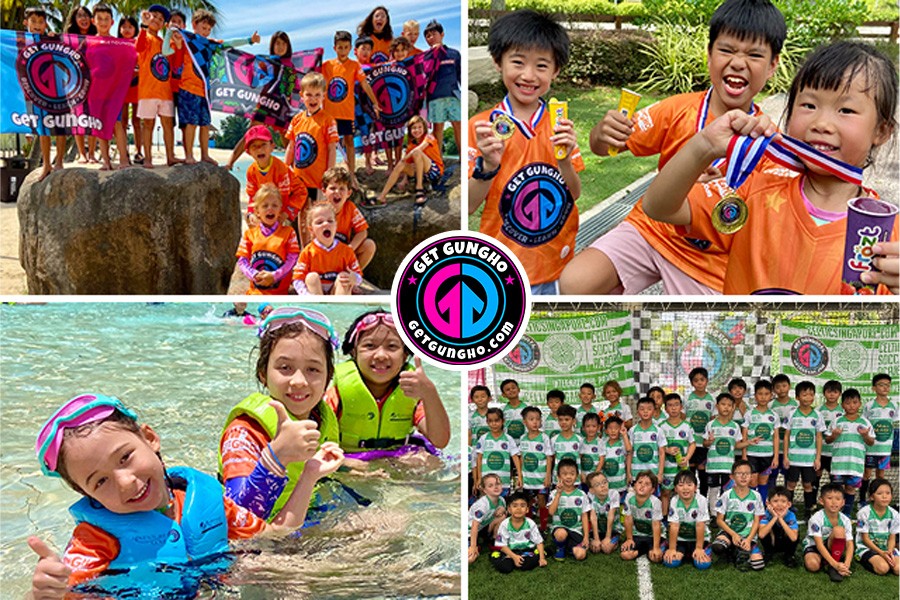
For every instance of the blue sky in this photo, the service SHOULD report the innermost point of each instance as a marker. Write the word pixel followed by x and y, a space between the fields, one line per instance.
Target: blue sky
pixel 312 24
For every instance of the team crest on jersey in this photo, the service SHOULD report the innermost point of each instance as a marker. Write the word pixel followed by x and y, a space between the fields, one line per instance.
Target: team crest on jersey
pixel 306 150
pixel 263 260
pixel 535 204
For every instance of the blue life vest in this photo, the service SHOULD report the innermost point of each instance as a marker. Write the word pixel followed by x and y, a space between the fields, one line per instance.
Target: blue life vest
pixel 150 536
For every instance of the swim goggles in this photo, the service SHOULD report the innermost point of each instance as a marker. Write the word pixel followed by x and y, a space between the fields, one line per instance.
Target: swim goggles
pixel 370 321
pixel 312 319
pixel 80 410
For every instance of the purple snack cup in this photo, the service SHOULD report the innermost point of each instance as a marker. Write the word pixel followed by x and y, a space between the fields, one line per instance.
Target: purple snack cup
pixel 869 221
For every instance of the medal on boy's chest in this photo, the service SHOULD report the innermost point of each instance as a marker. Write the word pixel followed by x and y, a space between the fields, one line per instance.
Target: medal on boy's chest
pixel 504 123
pixel 503 127
pixel 730 213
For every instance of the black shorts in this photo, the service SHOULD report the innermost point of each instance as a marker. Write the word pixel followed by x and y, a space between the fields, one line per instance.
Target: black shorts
pixel 686 548
pixel 313 194
pixel 718 479
pixel 866 560
pixel 826 463
pixel 573 538
pixel 532 495
pixel 344 127
pixel 758 464
pixel 795 473
pixel 643 545
pixel 698 458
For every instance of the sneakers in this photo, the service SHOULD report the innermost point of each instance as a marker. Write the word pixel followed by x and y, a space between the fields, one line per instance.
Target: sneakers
pixel 834 575
pixel 560 553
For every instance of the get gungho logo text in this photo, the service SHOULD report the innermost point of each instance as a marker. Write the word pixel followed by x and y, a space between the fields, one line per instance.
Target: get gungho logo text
pixel 54 76
pixel 461 300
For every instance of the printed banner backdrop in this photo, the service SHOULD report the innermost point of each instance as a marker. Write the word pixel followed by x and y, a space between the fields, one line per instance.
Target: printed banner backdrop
pixel 63 85
pixel 260 87
pixel 851 354
pixel 562 351
pixel 401 88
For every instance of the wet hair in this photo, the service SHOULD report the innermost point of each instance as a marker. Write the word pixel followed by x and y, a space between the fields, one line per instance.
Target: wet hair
pixel 832 487
pixel 119 419
pixel 749 20
pixel 685 475
pixel 762 384
pixel 559 394
pixel 409 125
pixel 312 80
pixel 835 66
pixel 134 23
pixel 646 400
pixel 367 26
pixel 590 417
pixel 72 22
pixel 528 30
pixel 504 383
pixel 364 40
pixel 780 378
pixel 515 497
pixel 479 388
pixel 398 42
pixel 494 411
pixel 566 410
pixel 103 8
pixel 832 385
pixel 348 345
pixel 589 479
pixel 337 175
pixel 880 377
pixel 284 37
pixel 611 420
pixel 804 386
pixel 697 371
pixel 612 383
pixel 35 11
pixel 201 16
pixel 780 490
pixel 737 382
pixel 724 396
pixel 566 462
pixel 740 463
pixel 672 396
pixel 877 483
pixel 589 386
pixel 342 36
pixel 531 409
pixel 649 475
pixel 266 190
pixel 850 394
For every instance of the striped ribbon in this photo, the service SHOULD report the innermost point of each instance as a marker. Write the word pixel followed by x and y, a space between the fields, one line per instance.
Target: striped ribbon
pixel 703 115
pixel 527 129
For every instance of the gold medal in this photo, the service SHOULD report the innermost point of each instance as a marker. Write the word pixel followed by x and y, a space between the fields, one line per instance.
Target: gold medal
pixel 729 214
pixel 503 127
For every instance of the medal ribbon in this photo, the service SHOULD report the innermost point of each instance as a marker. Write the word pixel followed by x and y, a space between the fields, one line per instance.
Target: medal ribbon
pixel 744 153
pixel 527 129
pixel 703 115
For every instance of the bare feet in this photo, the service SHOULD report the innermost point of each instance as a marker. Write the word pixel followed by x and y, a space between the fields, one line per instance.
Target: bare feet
pixel 175 161
pixel 190 160
pixel 83 160
pixel 93 161
pixel 46 170
pixel 125 165
pixel 210 160
pixel 147 164
pixel 106 166
pixel 58 166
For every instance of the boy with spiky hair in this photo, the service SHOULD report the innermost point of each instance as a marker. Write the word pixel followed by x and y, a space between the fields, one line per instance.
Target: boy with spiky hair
pixel 883 413
pixel 803 444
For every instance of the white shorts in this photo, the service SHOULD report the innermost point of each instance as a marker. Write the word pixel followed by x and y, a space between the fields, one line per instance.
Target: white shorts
pixel 151 108
pixel 639 265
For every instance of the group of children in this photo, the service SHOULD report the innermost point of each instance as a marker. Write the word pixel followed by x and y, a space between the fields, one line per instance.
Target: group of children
pixel 674 234
pixel 650 483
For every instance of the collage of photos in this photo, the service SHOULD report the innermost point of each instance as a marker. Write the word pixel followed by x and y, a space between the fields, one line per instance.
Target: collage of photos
pixel 551 370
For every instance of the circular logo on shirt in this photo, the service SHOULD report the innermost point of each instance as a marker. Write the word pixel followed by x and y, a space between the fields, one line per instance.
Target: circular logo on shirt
pixel 54 77
pixel 496 460
pixel 723 447
pixel 805 438
pixel 682 433
pixel 694 514
pixel 644 453
pixel 530 463
pixel 763 430
pixel 883 430
pixel 159 67
pixel 535 205
pixel 306 150
pixel 587 463
pixel 379 57
pixel 516 429
pixel 610 467
pixel 461 300
pixel 569 517
pixel 699 421
pixel 337 89
pixel 737 522
pixel 809 355
pixel 478 514
pixel 815 527
pixel 540 447
pixel 263 260
pixel 525 356
pixel 390 84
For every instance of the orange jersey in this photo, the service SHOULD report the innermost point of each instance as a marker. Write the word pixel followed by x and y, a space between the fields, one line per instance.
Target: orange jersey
pixel 529 207
pixel 269 253
pixel 340 101
pixel 91 549
pixel 327 262
pixel 312 135
pixel 381 50
pixel 780 249
pixel 333 398
pixel 155 70
pixel 293 192
pixel 190 80
pixel 432 150
pixel 663 128
pixel 349 222
pixel 413 51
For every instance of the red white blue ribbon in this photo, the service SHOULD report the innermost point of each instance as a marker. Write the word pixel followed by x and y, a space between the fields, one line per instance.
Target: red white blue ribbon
pixel 787 152
pixel 744 153
pixel 703 116
pixel 527 129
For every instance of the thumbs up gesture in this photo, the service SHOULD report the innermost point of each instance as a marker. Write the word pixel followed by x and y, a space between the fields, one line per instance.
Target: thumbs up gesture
pixel 294 440
pixel 51 575
pixel 415 383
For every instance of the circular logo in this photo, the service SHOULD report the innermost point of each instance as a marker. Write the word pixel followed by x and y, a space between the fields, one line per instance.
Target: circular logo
pixel 610 467
pixel 737 522
pixel 306 150
pixel 849 359
pixel 763 430
pixel 53 76
pixel 569 517
pixel 883 430
pixel 496 460
pixel 809 355
pixel 530 463
pixel 525 356
pixel 160 68
pixel 562 352
pixel 337 89
pixel 587 463
pixel 723 446
pixel 698 422
pixel 644 453
pixel 535 204
pixel 379 57
pixel 461 300
pixel 394 95
pixel 263 260
pixel 516 429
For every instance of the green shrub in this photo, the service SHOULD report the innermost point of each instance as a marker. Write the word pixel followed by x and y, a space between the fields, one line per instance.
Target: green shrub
pixel 677 58
pixel 607 57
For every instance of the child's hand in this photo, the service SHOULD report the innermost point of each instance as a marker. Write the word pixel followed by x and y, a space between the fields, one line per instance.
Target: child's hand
pixel 787 462
pixel 843 569
pixel 145 17
pixel 518 559
pixel 755 440
pixel 627 545
pixel 655 554
pixel 177 37
pixel 888 263
pixel 254 39
pixel 736 539
pixel 542 561
pixel 326 461
pixel 500 513
pixel 490 146
pixel 863 431
pixel 415 384
pixel 837 431
pixel 670 555
pixel 717 135
pixel 744 543
pixel 344 279
pixel 607 546
pixel 564 135
pixel 265 278
pixel 51 575
pixel 596 545
pixel 817 464
pixel 700 556
pixel 294 440
pixel 615 129
pixel 252 220
pixel 473 553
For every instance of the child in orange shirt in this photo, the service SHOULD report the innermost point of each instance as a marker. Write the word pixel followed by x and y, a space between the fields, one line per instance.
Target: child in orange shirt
pixel 271 169
pixel 423 159
pixel 340 102
pixel 411 33
pixel 269 250
pixel 154 90
pixel 312 136
pixel 36 23
pixel 352 228
pixel 326 265
pixel 377 27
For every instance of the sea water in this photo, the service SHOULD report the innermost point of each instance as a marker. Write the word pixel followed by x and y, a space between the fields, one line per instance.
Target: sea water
pixel 181 368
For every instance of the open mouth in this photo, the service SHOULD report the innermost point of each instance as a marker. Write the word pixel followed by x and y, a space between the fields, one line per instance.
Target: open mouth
pixel 141 495
pixel 326 234
pixel 381 369
pixel 526 89
pixel 824 148
pixel 735 85
pixel 270 217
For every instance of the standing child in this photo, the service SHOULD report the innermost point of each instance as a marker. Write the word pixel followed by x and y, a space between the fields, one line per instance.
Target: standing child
pixel 829 537
pixel 529 50
pixel 423 160
pixel 567 443
pixel 604 514
pixel 269 250
pixel 737 387
pixel 643 520
pixel 521 544
pixel 377 27
pixel 688 524
pixel 589 453
pixel 680 446
pixel 400 47
pixel 783 406
pixel 761 431
pixel 154 91
pixel 36 23
pixel 352 227
pixel 362 50
pixel 723 437
pixel 312 136
pixel 831 411
pixel 103 21
pixel 326 265
pixel 128 29
pixel 569 507
pixel 537 462
pixel 803 444
pixel 612 392
pixel 512 412
pixel 658 395
pixel 411 33
pixel 849 436
pixel 498 453
pixel 778 529
pixel 878 525
pixel 269 169
pixel 739 511
pixel 485 514
pixel 649 444
pixel 699 412
pixel 883 413
pixel 443 101
pixel 480 395
pixel 555 399
pixel 81 22
pixel 615 456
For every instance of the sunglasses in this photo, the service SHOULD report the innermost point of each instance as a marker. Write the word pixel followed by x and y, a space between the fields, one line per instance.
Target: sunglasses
pixel 315 321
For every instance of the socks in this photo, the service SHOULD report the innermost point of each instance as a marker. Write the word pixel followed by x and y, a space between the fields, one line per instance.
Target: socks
pixel 713 496
pixel 864 492
pixel 837 548
pixel 763 490
pixel 809 502
pixel 704 483
pixel 848 503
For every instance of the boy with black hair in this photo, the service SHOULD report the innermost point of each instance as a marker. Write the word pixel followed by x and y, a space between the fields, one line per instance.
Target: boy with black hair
pixel 829 536
pixel 723 437
pixel 520 544
pixel 849 436
pixel 480 396
pixel 778 529
pixel 443 101
pixel 555 399
pixel 587 394
pixel 883 413
pixel 498 454
pixel 648 443
pixel 567 443
pixel 569 506
pixel 739 511
pixel 154 90
pixel 643 520
pixel 615 456
pixel 512 412
pixel 589 452
pixel 680 446
pixel 537 462
pixel 831 410
pixel 783 406
pixel 803 444
pixel 103 21
pixel 761 431
pixel 737 387
pixel 528 49
pixel 699 412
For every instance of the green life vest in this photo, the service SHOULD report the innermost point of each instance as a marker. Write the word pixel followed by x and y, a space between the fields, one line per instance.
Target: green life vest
pixel 362 424
pixel 256 406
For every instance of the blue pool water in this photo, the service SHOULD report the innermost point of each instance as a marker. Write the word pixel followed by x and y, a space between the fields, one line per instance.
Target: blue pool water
pixel 181 368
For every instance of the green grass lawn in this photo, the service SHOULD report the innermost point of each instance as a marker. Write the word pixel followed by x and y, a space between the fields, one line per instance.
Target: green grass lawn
pixel 604 176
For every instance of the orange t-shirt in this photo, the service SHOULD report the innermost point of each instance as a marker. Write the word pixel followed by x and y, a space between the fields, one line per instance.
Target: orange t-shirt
pixel 432 150
pixel 413 51
pixel 312 135
pixel 333 398
pixel 780 249
pixel 242 445
pixel 91 550
pixel 190 80
pixel 529 207
pixel 381 50
pixel 155 70
pixel 293 192
pixel 340 101
pixel 663 128
pixel 327 262
pixel 269 253
pixel 349 222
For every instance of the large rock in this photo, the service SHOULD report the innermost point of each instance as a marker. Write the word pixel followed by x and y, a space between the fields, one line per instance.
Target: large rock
pixel 136 231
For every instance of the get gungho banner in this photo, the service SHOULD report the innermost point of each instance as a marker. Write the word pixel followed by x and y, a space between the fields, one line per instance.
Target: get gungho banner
pixel 63 85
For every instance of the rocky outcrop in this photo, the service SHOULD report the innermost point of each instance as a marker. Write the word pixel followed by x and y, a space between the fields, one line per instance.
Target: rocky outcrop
pixel 137 231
